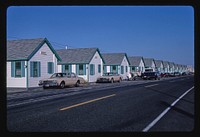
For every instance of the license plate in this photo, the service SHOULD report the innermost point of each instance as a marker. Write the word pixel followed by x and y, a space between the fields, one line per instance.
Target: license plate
pixel 46 85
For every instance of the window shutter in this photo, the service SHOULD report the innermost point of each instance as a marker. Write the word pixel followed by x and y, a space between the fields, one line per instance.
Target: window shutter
pixel 63 68
pixel 22 68
pixel 31 69
pixel 12 69
pixel 48 67
pixel 70 68
pixel 99 68
pixel 84 69
pixel 52 67
pixel 105 69
pixel 77 69
pixel 111 68
pixel 38 67
pixel 117 69
pixel 92 69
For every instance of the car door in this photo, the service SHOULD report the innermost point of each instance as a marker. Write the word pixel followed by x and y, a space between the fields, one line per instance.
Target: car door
pixel 68 79
pixel 74 78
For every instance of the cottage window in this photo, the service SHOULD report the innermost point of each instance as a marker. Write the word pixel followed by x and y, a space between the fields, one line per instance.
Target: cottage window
pixel 114 69
pixel 81 69
pixel 92 69
pixel 122 69
pixel 67 68
pixel 99 68
pixel 17 69
pixel 35 69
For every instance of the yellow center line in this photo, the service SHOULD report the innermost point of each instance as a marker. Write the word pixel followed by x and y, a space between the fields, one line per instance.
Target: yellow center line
pixel 79 104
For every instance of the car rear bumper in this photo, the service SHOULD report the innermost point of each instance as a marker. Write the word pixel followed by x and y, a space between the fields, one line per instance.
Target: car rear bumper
pixel 103 80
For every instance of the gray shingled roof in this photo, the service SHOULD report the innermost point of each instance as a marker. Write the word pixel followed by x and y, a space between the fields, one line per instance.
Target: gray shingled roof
pixel 113 58
pixel 175 65
pixel 158 63
pixel 148 62
pixel 135 60
pixel 76 56
pixel 171 64
pixel 165 64
pixel 22 49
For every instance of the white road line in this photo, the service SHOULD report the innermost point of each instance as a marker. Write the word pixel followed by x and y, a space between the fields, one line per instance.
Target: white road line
pixel 165 111
pixel 151 85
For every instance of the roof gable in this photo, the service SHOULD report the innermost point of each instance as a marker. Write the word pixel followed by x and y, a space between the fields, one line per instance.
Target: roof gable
pixel 148 62
pixel 171 64
pixel 165 64
pixel 25 49
pixel 135 60
pixel 77 56
pixel 158 63
pixel 114 58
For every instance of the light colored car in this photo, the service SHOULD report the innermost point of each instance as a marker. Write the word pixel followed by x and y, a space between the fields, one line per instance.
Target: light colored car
pixel 61 80
pixel 109 77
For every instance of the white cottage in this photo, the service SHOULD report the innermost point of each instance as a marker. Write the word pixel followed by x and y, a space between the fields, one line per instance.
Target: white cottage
pixel 171 67
pixel 166 66
pixel 116 63
pixel 149 64
pixel 159 66
pixel 28 61
pixel 85 62
pixel 136 65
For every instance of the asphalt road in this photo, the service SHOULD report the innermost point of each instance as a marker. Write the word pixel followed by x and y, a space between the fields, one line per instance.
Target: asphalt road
pixel 130 106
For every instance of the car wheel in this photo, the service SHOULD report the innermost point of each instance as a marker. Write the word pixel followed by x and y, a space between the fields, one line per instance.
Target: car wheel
pixel 120 79
pixel 44 87
pixel 77 83
pixel 62 85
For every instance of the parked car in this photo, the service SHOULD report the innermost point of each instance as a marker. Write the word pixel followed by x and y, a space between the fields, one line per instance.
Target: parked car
pixel 165 74
pixel 109 77
pixel 132 76
pixel 151 75
pixel 177 74
pixel 171 74
pixel 61 80
pixel 184 73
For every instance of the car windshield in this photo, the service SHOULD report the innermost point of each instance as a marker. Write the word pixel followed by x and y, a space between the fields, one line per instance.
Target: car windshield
pixel 149 73
pixel 55 75
pixel 110 74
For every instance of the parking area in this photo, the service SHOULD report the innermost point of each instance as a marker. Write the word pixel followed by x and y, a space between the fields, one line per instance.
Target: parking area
pixel 15 94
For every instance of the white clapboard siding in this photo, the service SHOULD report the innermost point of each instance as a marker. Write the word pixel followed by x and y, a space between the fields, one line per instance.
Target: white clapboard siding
pixel 125 63
pixel 141 65
pixel 96 60
pixel 47 56
pixel 12 81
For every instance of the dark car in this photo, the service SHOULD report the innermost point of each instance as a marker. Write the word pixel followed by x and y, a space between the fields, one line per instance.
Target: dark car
pixel 151 75
pixel 165 74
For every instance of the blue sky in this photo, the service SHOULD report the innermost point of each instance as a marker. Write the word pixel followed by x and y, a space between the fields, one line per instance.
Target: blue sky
pixel 159 32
